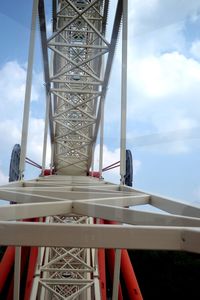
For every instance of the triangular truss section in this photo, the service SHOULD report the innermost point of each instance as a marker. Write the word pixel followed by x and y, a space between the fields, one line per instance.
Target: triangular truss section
pixel 78 46
pixel 69 237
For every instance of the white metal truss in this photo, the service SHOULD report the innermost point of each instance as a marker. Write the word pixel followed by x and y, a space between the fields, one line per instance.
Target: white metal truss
pixel 67 272
pixel 67 266
pixel 78 47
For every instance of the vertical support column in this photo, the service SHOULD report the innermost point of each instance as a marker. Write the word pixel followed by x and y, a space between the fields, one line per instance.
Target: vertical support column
pixel 52 158
pixel 101 139
pixel 52 165
pixel 116 274
pixel 27 100
pixel 96 291
pixel 16 295
pixel 92 164
pixel 124 92
pixel 45 133
pixel 44 293
pixel 102 123
pixel 54 6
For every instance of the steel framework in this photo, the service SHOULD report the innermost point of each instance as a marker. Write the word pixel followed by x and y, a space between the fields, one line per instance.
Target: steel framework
pixel 67 265
pixel 78 46
pixel 69 206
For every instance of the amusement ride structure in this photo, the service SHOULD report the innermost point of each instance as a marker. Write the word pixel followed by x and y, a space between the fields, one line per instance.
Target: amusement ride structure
pixel 67 231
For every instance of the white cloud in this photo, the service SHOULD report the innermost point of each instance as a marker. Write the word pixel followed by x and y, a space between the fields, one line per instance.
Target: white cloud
pixel 165 93
pixel 167 75
pixel 10 132
pixel 195 49
pixel 196 193
pixel 195 17
pixel 49 28
pixel 151 15
pixel 35 141
pixel 136 165
pixel 163 83
pixel 3 178
pixel 12 89
pixel 12 83
pixel 110 157
pixel 156 26
pixel 35 138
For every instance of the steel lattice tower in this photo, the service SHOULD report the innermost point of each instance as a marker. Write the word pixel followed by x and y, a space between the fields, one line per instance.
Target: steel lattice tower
pixel 68 218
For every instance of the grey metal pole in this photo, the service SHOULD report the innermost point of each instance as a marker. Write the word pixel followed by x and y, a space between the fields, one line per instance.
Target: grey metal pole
pixel 124 92
pixel 52 157
pixel 92 164
pixel 116 274
pixel 45 133
pixel 27 100
pixel 101 139
pixel 102 124
pixel 17 269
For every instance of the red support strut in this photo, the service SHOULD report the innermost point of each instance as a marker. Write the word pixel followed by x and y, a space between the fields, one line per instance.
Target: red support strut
pixel 129 277
pixel 6 265
pixel 31 272
pixel 102 270
pixel 127 272
pixel 111 265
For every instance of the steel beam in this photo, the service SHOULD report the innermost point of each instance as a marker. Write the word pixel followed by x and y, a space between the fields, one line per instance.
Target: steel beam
pixel 114 236
pixel 134 217
pixel 17 272
pixel 26 211
pixel 124 92
pixel 20 197
pixel 27 100
pixel 116 276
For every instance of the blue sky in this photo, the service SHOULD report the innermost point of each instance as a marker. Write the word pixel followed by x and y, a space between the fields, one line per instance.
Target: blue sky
pixel 163 94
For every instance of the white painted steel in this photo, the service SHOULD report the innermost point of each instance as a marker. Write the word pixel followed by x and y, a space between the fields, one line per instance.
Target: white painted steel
pixel 97 291
pixel 17 272
pixel 76 82
pixel 44 153
pixel 124 92
pixel 116 274
pixel 67 266
pixel 27 100
pixel 66 271
pixel 100 236
pixel 31 210
pixel 34 291
pixel 101 138
pixel 102 107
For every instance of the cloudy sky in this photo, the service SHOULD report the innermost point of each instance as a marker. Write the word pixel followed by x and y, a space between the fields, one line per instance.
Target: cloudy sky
pixel 163 126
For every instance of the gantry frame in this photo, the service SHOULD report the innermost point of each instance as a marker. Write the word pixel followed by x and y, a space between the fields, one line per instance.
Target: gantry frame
pixel 77 80
pixel 76 84
pixel 67 265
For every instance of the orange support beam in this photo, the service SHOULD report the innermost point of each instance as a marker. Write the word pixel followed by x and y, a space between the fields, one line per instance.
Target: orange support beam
pixel 10 291
pixel 111 265
pixel 102 269
pixel 28 263
pixel 6 265
pixel 31 272
pixel 102 273
pixel 127 272
pixel 129 277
